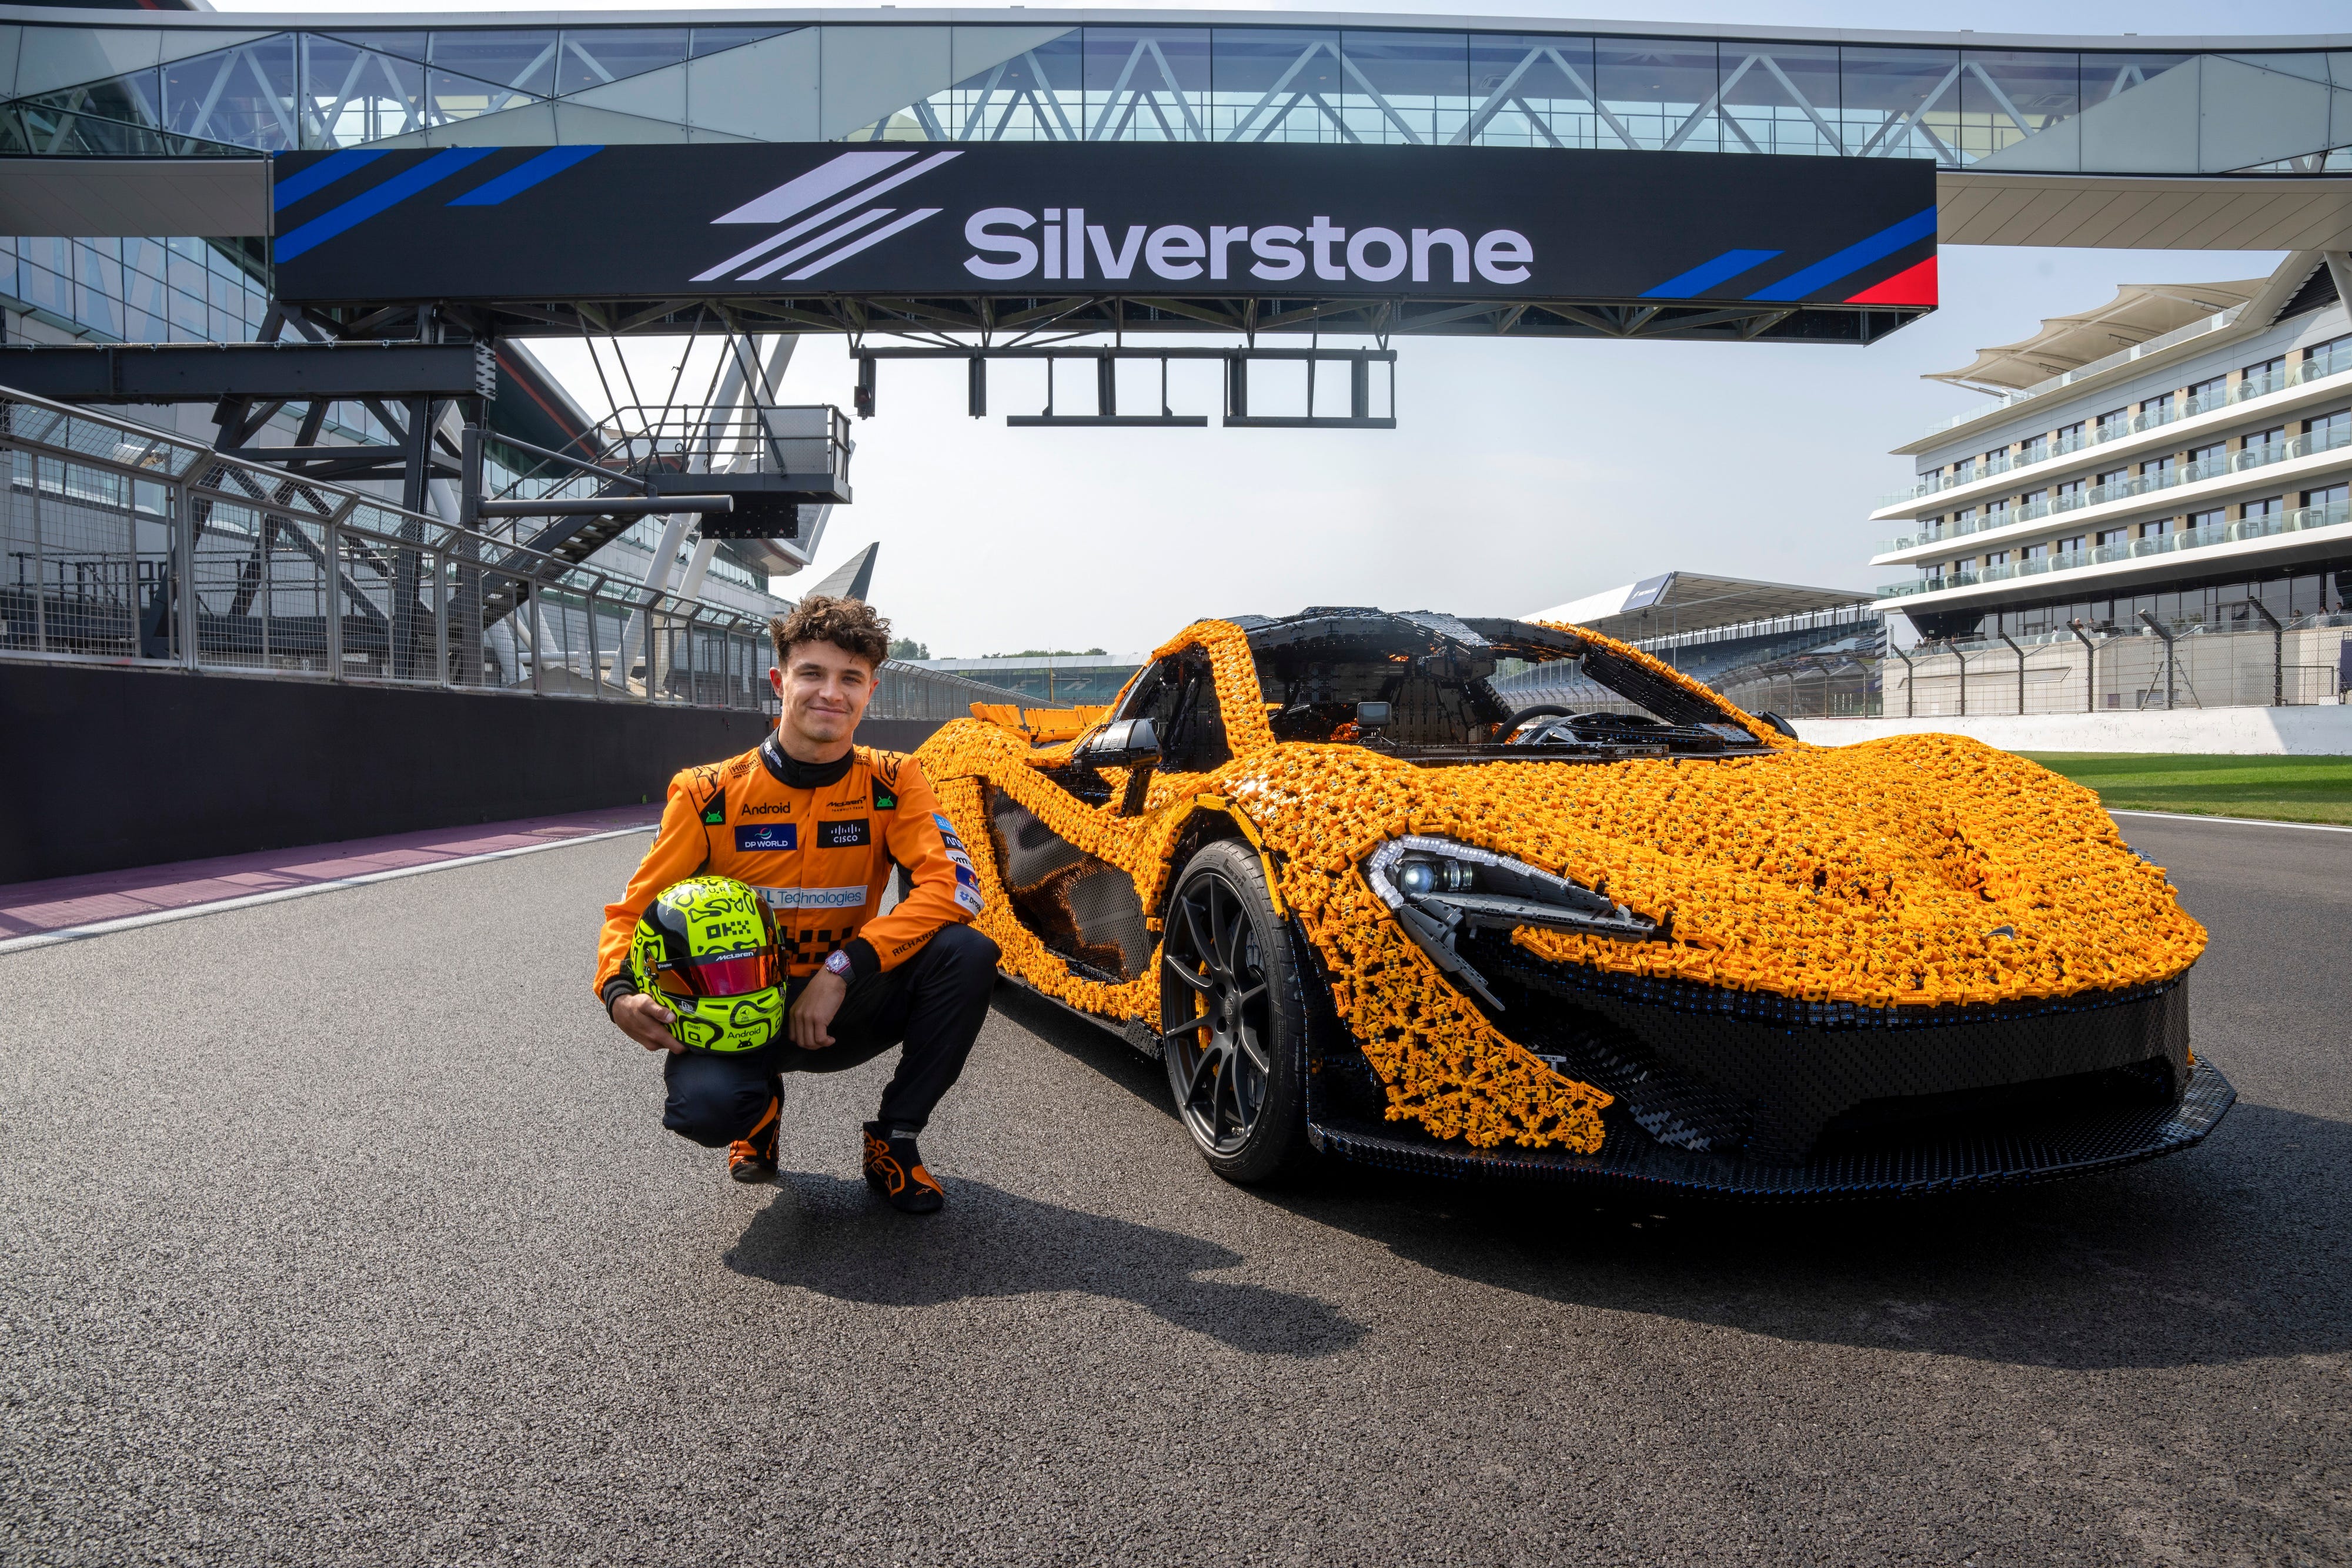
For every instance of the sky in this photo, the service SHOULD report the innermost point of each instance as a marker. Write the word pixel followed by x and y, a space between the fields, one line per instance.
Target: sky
pixel 1522 473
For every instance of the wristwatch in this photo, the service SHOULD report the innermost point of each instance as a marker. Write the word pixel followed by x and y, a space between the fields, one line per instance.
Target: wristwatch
pixel 837 962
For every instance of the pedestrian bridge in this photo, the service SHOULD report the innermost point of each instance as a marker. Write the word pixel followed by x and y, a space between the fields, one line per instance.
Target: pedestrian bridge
pixel 2228 143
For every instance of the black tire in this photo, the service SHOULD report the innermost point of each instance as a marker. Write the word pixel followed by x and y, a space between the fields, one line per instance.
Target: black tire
pixel 1239 1080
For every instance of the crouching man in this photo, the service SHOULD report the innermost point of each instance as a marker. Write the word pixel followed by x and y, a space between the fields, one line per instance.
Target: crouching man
pixel 817 825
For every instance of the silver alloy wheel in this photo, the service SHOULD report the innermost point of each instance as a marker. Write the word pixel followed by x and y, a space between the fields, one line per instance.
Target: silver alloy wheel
pixel 1218 1068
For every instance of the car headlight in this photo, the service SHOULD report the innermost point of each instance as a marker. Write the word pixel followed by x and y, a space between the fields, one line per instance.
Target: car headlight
pixel 1437 889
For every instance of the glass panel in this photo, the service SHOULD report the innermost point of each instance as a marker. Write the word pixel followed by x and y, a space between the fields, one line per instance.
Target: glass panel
pixel 2106 76
pixel 134 100
pixel 1147 84
pixel 1662 89
pixel 455 96
pixel 710 40
pixel 521 60
pixel 144 256
pixel 1900 103
pixel 1405 87
pixel 1275 84
pixel 49 291
pixel 186 271
pixel 2007 97
pixel 244 95
pixel 351 95
pixel 98 279
pixel 145 318
pixel 1537 91
pixel 406 45
pixel 1781 97
pixel 594 55
pixel 45 273
pixel 1038 95
pixel 119 117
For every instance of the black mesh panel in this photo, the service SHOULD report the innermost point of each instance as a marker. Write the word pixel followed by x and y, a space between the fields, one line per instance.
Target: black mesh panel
pixel 1084 908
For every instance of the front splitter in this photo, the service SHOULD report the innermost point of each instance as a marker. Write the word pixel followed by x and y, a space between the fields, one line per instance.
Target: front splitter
pixel 2038 1151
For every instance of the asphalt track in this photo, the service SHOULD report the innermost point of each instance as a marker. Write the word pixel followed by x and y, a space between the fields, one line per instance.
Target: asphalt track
pixel 341 1230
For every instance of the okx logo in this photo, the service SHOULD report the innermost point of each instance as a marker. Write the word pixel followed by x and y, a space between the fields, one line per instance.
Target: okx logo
pixel 844 192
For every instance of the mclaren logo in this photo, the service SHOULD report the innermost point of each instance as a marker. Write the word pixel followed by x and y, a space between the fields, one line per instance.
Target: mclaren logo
pixel 845 221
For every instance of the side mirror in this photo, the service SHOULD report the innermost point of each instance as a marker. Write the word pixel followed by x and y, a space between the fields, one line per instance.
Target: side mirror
pixel 1123 743
pixel 1372 716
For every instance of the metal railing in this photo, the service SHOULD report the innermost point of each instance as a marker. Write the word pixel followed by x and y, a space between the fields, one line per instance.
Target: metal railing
pixel 2310 444
pixel 2334 360
pixel 2300 520
pixel 2196 328
pixel 129 544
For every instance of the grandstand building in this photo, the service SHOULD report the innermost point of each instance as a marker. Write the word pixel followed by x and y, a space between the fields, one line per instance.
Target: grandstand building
pixel 2198 476
pixel 1773 645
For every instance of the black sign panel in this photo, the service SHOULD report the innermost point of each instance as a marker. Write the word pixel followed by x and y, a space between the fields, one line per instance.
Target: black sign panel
pixel 779 220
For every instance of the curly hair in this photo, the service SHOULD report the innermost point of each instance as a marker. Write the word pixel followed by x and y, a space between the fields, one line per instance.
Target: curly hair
pixel 849 624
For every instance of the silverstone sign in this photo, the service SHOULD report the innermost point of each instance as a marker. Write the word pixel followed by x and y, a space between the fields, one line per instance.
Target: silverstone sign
pixel 1140 219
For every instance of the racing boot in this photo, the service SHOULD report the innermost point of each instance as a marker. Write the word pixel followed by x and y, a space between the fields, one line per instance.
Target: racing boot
pixel 894 1167
pixel 753 1156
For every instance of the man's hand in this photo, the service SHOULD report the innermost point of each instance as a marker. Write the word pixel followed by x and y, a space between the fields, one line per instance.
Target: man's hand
pixel 812 1011
pixel 646 1021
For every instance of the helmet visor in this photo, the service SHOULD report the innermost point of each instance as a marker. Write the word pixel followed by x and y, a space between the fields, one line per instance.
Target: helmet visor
pixel 728 975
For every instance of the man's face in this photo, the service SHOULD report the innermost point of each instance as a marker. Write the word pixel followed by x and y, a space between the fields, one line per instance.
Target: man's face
pixel 824 690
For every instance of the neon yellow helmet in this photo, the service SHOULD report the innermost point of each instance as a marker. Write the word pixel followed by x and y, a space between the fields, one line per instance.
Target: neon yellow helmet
pixel 705 949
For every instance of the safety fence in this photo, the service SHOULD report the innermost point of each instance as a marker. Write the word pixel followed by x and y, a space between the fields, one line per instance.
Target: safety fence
pixel 909 691
pixel 2300 663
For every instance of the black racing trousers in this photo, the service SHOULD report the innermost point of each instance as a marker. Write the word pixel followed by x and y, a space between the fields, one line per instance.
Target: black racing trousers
pixel 933 1003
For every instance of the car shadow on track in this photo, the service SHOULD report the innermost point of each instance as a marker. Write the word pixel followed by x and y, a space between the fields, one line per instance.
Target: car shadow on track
pixel 2211 1255
pixel 835 1237
pixel 2238 1249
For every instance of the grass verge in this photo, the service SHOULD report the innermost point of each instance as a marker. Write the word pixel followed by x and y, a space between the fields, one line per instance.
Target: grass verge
pixel 2284 789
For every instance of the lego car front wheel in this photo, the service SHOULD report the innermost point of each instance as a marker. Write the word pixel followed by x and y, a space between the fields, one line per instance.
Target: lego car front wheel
pixel 1236 1075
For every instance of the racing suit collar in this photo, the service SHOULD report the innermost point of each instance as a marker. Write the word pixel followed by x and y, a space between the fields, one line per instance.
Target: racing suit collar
pixel 794 774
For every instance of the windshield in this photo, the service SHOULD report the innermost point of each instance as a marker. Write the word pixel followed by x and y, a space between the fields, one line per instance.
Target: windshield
pixel 1557 697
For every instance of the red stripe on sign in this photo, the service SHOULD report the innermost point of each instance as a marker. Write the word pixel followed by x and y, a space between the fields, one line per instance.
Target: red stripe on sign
pixel 1912 286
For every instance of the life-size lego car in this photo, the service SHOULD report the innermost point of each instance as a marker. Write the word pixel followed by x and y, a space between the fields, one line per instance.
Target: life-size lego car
pixel 1362 905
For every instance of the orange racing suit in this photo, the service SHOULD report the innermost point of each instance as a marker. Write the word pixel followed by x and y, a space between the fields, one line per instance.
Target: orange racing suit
pixel 820 855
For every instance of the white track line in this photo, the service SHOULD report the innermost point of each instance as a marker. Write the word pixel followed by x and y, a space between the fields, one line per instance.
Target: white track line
pixel 2237 821
pixel 159 916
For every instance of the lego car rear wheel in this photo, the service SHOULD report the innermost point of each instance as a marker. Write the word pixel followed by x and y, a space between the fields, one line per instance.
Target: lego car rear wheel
pixel 1235 1076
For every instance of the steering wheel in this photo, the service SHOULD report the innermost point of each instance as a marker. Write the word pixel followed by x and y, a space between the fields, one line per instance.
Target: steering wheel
pixel 1519 721
pixel 1565 722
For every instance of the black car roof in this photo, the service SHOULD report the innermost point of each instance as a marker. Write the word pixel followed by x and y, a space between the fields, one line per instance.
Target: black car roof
pixel 1402 631
pixel 1342 632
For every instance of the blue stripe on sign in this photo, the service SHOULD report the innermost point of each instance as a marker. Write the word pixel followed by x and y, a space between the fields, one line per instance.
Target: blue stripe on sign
pixel 361 207
pixel 1853 258
pixel 325 172
pixel 523 176
pixel 1706 275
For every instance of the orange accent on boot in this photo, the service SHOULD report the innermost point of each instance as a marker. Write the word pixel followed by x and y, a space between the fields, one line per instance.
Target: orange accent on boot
pixel 882 1169
pixel 924 1178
